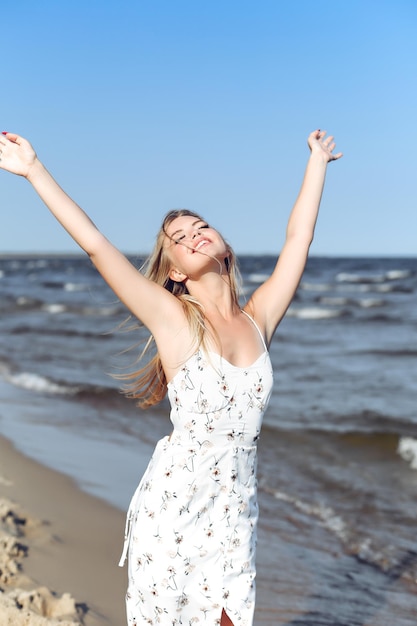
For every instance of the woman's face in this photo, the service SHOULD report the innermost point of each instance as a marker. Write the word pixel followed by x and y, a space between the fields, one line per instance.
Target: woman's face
pixel 190 241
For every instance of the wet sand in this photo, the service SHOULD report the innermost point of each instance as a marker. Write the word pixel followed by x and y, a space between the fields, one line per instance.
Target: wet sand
pixel 59 549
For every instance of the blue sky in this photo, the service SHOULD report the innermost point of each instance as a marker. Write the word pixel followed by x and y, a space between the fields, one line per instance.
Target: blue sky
pixel 142 106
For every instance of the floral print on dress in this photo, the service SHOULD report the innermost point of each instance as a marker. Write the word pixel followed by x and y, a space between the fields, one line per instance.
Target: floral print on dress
pixel 191 528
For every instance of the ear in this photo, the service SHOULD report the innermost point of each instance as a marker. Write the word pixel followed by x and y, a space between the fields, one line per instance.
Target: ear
pixel 177 276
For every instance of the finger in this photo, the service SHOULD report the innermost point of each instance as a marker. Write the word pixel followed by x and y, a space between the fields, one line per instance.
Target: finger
pixel 337 156
pixel 12 137
pixel 315 134
pixel 328 140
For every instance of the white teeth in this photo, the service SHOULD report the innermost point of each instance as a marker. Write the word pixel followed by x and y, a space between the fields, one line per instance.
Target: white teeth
pixel 201 243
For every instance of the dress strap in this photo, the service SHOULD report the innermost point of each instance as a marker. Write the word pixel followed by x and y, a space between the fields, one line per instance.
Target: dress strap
pixel 257 328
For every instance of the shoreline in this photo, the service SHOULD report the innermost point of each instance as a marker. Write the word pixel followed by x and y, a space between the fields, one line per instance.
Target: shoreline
pixel 58 543
pixel 60 547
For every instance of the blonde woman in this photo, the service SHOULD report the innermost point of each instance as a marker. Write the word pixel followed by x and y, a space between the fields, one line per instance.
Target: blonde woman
pixel 191 525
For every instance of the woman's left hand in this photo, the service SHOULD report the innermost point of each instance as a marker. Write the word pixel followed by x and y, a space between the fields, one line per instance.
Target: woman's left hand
pixel 321 145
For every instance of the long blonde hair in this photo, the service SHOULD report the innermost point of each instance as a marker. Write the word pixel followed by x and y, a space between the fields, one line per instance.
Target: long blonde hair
pixel 148 384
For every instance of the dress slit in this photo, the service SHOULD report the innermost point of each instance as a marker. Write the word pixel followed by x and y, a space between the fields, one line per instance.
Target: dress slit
pixel 228 621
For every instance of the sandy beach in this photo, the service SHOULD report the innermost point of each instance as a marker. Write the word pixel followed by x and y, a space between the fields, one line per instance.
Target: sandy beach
pixel 59 549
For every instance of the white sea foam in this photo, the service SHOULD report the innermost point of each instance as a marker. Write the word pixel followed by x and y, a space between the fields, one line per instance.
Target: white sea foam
pixel 327 517
pixel 315 286
pixel 313 313
pixel 54 308
pixel 368 303
pixel 39 384
pixel 398 274
pixel 365 303
pixel 22 301
pixel 357 287
pixel 383 288
pixel 391 275
pixel 75 287
pixel 102 310
pixel 36 264
pixel 348 277
pixel 407 449
pixel 257 278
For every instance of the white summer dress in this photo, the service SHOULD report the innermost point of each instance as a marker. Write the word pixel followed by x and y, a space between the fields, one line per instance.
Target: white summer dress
pixel 191 524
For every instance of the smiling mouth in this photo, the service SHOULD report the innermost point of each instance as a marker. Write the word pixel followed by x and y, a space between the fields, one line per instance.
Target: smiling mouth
pixel 201 243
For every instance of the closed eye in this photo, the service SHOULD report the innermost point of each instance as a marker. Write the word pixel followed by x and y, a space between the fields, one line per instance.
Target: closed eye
pixel 181 237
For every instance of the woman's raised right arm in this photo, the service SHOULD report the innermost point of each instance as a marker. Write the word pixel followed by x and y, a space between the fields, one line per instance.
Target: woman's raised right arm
pixel 149 302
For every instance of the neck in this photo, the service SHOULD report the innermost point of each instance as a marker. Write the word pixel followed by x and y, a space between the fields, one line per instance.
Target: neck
pixel 214 294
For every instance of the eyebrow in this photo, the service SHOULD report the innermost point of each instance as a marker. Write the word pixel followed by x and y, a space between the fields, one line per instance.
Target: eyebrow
pixel 181 229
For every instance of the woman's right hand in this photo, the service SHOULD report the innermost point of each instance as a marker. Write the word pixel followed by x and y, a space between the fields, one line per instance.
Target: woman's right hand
pixel 16 154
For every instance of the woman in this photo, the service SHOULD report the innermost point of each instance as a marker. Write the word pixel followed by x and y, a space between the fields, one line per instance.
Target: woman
pixel 191 527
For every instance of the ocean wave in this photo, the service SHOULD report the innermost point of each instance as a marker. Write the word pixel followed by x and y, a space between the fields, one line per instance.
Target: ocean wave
pixel 390 288
pixel 380 318
pixel 407 449
pixel 373 429
pixel 406 353
pixel 314 313
pixel 368 303
pixel 398 274
pixel 315 286
pixel 59 332
pixel 34 304
pixel 365 548
pixel 257 278
pixel 350 277
pixel 76 287
pixel 365 303
pixel 376 277
pixel 373 288
pixel 40 384
pixel 102 311
pixel 366 428
pixel 33 264
pixel 52 284
pixel 24 302
pixel 335 301
pixel 54 308
pixel 325 514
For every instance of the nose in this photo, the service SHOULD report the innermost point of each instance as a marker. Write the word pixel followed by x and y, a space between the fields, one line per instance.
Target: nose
pixel 196 233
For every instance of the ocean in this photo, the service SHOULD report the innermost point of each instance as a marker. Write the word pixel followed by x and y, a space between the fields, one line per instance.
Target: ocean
pixel 338 452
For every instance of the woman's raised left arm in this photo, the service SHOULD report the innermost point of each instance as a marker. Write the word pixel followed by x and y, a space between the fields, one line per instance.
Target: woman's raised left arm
pixel 271 300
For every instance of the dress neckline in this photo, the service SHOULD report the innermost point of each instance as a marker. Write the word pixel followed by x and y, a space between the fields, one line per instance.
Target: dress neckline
pixel 239 367
pixel 199 353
